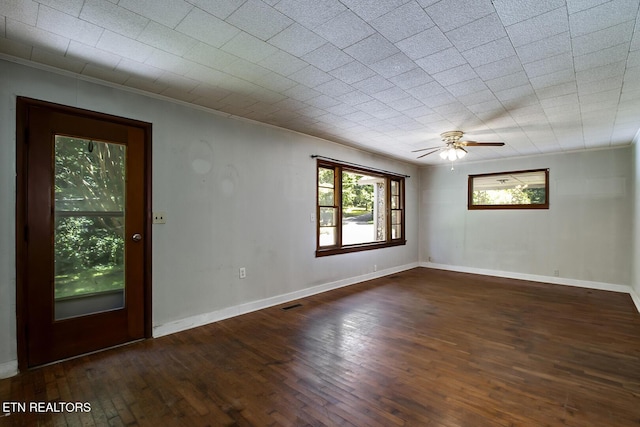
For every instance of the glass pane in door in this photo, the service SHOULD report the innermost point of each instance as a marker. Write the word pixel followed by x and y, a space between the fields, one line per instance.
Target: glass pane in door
pixel 89 240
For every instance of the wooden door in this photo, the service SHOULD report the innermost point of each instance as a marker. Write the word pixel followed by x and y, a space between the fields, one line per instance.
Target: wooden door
pixel 83 232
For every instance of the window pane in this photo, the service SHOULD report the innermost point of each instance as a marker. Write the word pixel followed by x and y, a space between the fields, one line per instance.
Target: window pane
pixel 519 188
pixel 89 246
pixel 395 188
pixel 396 217
pixel 396 231
pixel 328 236
pixel 362 208
pixel 325 177
pixel 326 196
pixel 328 217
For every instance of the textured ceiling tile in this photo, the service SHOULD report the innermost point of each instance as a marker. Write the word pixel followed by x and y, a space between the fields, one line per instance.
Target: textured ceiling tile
pixel 393 65
pixel 370 10
pixel 477 33
pixel 20 10
pixel 549 65
pixel 334 88
pixel 602 16
pixel 248 47
pixel 508 81
pixel 455 75
pixel 490 52
pixel 165 38
pixel 601 57
pixel 297 40
pixel 35 36
pixel 538 28
pixel 327 57
pixel 403 22
pixel 541 49
pixel 166 12
pixel 557 90
pixel 247 71
pixel 603 72
pixel 259 19
pixel 352 72
pixel 57 60
pixel 467 87
pixel 71 7
pixel 310 76
pixel 113 18
pixel 452 14
pixel 93 55
pixel 512 12
pixel 167 61
pixel 345 29
pixel 440 61
pixel 68 26
pixel 301 93
pixel 105 74
pixel 413 78
pixel 499 68
pixel 372 49
pixel 220 8
pixel 207 28
pixel 600 85
pixel 391 94
pixel 553 79
pixel 478 97
pixel 135 68
pixel 425 43
pixel 603 39
pixel 404 104
pixel 210 56
pixel 123 46
pixel 519 95
pixel 354 98
pixel 310 13
pixel 283 63
pixel 373 84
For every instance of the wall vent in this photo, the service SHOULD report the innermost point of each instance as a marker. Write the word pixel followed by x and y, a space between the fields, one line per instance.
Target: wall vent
pixel 291 307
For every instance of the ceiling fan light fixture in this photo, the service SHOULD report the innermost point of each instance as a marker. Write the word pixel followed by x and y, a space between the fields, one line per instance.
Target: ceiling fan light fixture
pixel 452 153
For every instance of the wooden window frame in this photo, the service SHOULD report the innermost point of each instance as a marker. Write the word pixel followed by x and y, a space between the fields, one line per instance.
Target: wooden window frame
pixel 471 206
pixel 339 248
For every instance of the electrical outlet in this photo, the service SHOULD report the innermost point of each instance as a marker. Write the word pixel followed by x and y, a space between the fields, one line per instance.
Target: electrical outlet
pixel 556 273
pixel 375 267
pixel 159 218
pixel 429 259
pixel 242 272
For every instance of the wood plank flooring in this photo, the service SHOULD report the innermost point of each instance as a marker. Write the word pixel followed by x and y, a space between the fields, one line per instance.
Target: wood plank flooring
pixel 419 348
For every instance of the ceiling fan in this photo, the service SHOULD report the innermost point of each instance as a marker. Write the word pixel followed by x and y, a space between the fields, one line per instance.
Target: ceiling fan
pixel 454 147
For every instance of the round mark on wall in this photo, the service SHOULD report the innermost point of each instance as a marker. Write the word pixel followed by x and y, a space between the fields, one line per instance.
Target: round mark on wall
pixel 200 157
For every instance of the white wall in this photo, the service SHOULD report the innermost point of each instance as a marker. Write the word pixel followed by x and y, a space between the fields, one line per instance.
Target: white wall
pixel 236 194
pixel 635 253
pixel 585 234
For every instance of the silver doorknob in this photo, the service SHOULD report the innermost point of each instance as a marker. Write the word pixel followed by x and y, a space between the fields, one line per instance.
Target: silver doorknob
pixel 136 237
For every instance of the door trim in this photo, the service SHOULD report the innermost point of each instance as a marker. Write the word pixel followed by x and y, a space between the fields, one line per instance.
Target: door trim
pixel 23 106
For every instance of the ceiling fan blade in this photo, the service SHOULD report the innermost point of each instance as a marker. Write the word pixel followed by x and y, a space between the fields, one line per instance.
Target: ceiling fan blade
pixel 425 149
pixel 479 144
pixel 430 152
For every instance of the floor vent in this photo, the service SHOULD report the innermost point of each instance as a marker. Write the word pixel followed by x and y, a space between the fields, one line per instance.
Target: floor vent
pixel 291 307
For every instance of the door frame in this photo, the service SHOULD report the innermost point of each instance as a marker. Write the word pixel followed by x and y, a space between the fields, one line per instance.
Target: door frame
pixel 23 106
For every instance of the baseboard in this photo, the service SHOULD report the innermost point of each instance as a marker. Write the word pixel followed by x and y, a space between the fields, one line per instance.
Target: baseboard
pixel 225 313
pixel 8 369
pixel 635 298
pixel 539 278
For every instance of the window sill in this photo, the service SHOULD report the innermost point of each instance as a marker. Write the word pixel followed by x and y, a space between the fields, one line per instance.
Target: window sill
pixel 358 248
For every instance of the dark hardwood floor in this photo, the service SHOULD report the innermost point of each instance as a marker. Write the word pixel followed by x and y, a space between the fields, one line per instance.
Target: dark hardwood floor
pixel 420 348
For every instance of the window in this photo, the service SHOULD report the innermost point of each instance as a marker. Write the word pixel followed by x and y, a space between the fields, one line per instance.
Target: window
pixel 510 190
pixel 358 209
